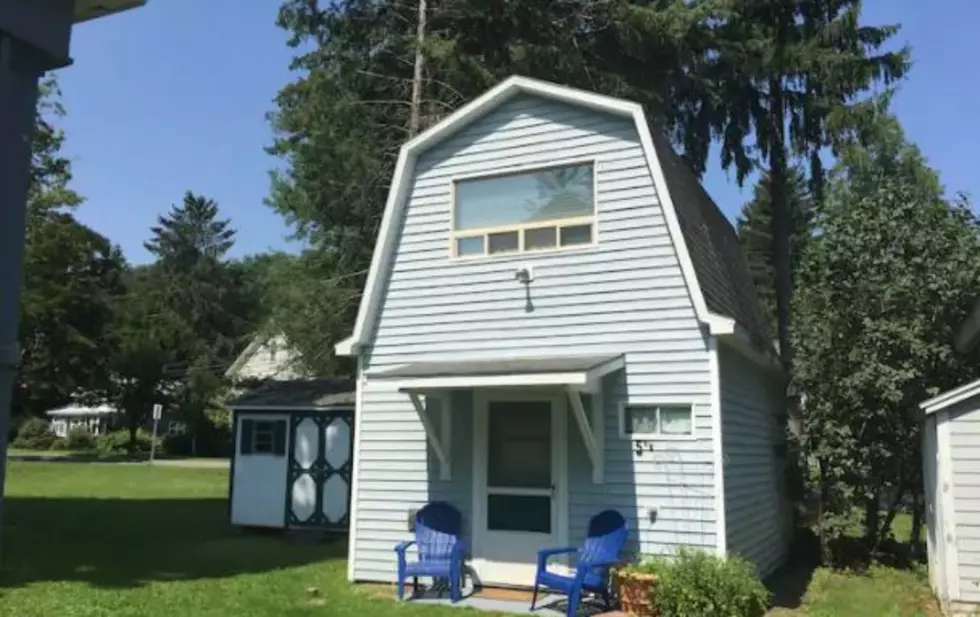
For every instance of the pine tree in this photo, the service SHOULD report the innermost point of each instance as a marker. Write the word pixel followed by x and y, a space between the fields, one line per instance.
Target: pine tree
pixel 754 228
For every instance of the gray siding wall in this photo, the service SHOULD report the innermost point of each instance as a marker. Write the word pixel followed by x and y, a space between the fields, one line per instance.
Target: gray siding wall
pixel 624 295
pixel 964 433
pixel 757 515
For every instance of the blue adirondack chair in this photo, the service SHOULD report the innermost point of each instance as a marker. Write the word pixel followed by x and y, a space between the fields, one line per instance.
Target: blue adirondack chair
pixel 438 527
pixel 607 536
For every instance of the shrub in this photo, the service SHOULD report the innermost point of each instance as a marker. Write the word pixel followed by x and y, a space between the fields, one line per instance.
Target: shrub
pixel 34 434
pixel 117 442
pixel 696 583
pixel 80 439
pixel 59 443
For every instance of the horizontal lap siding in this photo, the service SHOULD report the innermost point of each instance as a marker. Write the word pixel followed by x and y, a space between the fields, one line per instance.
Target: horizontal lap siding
pixel 964 436
pixel 675 479
pixel 756 516
pixel 624 295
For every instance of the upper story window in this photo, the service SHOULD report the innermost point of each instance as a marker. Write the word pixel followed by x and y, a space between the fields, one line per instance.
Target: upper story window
pixel 531 211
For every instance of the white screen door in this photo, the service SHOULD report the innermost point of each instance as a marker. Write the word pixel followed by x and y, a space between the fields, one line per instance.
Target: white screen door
pixel 518 460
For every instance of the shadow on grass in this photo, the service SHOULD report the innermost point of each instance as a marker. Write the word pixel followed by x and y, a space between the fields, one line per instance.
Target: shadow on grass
pixel 790 583
pixel 116 543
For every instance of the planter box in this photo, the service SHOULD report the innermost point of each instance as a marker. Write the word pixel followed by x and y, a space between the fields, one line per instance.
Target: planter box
pixel 635 593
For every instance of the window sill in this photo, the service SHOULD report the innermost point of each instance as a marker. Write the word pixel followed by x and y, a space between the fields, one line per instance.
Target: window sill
pixel 658 437
pixel 525 255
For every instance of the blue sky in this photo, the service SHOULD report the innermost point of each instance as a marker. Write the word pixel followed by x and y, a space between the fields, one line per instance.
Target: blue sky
pixel 173 97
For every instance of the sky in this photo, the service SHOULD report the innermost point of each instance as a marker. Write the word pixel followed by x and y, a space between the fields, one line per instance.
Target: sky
pixel 174 96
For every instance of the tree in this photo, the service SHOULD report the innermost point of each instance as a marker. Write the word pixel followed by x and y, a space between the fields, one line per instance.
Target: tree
pixel 71 277
pixel 754 227
pixel 207 294
pixel 894 268
pixel 794 75
pixel 146 339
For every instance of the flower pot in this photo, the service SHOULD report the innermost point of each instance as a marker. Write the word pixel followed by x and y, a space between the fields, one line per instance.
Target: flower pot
pixel 635 593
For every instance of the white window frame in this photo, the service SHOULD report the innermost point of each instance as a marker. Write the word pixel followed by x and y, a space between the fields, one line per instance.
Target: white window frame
pixel 624 434
pixel 521 228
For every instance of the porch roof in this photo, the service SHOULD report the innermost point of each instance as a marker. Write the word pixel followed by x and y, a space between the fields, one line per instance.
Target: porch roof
pixel 579 371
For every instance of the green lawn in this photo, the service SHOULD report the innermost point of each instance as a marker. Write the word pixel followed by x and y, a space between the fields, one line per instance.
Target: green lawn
pixel 126 540
pixel 87 540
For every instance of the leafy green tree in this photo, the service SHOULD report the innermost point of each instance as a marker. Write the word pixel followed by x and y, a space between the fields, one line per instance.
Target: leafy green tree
pixel 754 226
pixel 146 339
pixel 894 268
pixel 71 277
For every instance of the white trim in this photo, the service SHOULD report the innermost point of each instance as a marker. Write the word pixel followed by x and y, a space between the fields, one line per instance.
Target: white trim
pixel 943 445
pixel 559 460
pixel 430 432
pixel 292 407
pixel 246 355
pixel 720 324
pixel 717 446
pixel 950 397
pixel 623 404
pixel 586 380
pixel 345 348
pixel 578 412
pixel 511 380
pixel 356 476
pixel 599 431
pixel 502 92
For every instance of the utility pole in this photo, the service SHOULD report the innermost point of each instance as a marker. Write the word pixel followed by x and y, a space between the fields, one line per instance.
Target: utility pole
pixel 415 121
pixel 35 36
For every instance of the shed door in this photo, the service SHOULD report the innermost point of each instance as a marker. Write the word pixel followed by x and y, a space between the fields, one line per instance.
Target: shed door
pixel 259 472
pixel 319 477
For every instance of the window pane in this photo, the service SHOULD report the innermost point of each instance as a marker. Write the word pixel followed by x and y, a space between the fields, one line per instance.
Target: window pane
pixel 542 195
pixel 519 513
pixel 641 420
pixel 519 445
pixel 504 242
pixel 469 246
pixel 676 421
pixel 576 234
pixel 542 238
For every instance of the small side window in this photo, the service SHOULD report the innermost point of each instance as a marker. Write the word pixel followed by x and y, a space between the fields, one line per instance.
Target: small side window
pixel 646 421
pixel 263 437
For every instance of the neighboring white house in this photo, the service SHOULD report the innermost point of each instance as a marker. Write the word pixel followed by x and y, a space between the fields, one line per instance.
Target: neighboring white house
pixel 96 420
pixel 266 357
pixel 558 320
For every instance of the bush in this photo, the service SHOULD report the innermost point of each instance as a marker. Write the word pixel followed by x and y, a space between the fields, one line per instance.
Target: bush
pixel 696 583
pixel 34 434
pixel 117 442
pixel 80 439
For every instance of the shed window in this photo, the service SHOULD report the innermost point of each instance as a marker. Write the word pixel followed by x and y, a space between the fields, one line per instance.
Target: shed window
pixel 531 211
pixel 641 421
pixel 263 437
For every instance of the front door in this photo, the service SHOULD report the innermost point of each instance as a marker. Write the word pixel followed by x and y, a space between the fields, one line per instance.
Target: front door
pixel 519 490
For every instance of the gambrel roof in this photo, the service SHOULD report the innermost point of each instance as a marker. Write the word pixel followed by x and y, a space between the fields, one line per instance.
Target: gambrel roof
pixel 714 269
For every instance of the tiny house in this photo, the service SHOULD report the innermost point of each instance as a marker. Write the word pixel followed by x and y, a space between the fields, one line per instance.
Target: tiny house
pixel 291 463
pixel 951 473
pixel 559 320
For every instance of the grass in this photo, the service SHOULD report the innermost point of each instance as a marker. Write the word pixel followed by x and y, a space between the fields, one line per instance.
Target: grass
pixel 879 592
pixel 92 540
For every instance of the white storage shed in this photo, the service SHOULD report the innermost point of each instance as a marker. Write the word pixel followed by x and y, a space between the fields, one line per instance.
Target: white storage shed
pixel 951 472
pixel 292 460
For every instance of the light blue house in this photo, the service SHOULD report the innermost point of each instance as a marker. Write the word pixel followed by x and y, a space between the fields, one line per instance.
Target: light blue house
pixel 558 320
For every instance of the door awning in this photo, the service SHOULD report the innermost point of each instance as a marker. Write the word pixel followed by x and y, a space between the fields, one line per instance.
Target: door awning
pixel 579 372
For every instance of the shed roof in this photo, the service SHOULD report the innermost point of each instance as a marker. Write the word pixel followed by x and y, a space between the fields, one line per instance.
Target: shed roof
pixel 298 394
pixel 951 397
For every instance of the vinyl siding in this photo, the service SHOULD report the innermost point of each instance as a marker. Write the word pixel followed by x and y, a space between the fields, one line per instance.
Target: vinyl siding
pixel 964 432
pixel 757 517
pixel 624 295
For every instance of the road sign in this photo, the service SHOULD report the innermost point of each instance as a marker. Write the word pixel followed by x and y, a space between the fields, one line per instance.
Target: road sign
pixel 157 411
